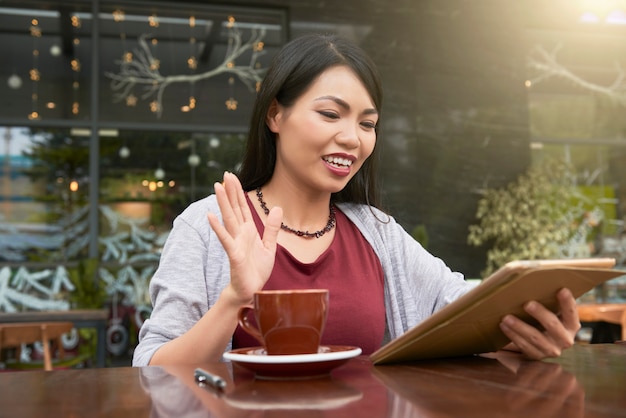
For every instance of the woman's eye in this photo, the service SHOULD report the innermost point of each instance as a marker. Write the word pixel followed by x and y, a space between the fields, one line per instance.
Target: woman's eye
pixel 368 125
pixel 331 115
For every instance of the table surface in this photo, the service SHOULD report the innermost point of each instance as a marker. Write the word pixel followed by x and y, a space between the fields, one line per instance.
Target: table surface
pixel 587 381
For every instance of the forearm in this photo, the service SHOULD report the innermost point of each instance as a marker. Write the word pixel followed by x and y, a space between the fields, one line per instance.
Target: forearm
pixel 206 340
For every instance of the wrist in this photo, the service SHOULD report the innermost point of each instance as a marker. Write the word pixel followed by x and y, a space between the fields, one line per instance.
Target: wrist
pixel 231 299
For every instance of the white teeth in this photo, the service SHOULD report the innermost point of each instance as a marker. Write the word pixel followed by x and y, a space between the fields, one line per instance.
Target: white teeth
pixel 338 161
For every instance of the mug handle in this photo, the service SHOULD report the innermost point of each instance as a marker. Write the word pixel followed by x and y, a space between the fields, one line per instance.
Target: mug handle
pixel 244 322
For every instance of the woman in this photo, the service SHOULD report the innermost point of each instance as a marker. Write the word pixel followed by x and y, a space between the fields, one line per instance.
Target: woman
pixel 303 214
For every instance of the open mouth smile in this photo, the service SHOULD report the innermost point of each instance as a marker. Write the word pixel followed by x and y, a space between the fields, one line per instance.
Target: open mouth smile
pixel 338 162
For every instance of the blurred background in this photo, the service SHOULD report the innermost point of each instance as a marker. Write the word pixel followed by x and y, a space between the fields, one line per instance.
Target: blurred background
pixel 503 133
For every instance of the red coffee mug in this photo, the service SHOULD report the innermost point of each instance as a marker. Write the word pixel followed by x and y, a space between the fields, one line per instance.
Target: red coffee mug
pixel 288 321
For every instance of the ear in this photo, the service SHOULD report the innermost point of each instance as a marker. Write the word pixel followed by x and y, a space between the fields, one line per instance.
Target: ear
pixel 273 116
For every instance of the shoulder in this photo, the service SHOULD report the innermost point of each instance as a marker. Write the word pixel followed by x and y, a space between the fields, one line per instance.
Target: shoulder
pixel 195 215
pixel 379 228
pixel 365 216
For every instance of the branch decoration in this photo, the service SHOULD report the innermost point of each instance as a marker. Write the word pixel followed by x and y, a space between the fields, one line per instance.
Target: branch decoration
pixel 139 69
pixel 546 63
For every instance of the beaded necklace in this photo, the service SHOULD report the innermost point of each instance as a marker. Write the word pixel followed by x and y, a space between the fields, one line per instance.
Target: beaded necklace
pixel 306 234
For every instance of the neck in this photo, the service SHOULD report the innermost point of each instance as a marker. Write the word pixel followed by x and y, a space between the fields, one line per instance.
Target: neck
pixel 301 209
pixel 304 231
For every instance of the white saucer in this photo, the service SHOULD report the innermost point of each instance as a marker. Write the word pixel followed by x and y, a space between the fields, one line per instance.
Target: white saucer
pixel 267 366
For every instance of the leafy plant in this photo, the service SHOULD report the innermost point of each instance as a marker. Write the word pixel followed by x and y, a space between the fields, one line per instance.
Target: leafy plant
pixel 420 234
pixel 534 217
pixel 87 293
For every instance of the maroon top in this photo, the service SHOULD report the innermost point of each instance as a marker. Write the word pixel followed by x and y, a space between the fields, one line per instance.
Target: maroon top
pixel 352 273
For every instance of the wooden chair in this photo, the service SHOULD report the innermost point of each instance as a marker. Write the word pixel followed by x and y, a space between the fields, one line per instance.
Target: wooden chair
pixel 614 313
pixel 16 334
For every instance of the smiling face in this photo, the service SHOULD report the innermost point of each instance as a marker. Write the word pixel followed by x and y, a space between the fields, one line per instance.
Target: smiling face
pixel 328 133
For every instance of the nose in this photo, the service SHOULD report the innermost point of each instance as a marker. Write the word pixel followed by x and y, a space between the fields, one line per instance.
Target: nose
pixel 348 136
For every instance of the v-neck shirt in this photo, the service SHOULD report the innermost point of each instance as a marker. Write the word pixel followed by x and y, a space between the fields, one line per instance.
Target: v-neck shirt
pixel 352 273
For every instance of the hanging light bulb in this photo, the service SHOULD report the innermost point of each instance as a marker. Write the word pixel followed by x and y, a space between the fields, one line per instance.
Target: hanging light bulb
pixel 124 152
pixel 193 160
pixel 14 81
pixel 159 173
pixel 55 50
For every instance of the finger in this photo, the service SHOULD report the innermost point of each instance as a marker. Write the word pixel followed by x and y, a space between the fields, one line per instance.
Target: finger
pixel 551 323
pixel 233 191
pixel 272 227
pixel 241 200
pixel 530 341
pixel 228 215
pixel 221 232
pixel 569 312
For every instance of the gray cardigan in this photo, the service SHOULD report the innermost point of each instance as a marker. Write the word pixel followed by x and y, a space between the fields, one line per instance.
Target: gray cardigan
pixel 194 270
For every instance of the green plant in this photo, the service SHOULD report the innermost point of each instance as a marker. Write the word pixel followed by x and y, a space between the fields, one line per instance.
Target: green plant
pixel 87 293
pixel 420 234
pixel 536 216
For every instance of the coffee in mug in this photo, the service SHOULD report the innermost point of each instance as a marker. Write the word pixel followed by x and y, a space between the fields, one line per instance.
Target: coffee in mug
pixel 288 321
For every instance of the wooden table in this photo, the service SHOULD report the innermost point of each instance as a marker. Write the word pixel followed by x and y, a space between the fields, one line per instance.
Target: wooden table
pixel 81 318
pixel 587 381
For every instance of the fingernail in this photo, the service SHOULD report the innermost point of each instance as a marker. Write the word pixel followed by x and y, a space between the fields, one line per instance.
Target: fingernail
pixel 508 320
pixel 531 306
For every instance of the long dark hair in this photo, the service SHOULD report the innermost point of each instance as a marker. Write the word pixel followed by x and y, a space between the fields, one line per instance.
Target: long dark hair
pixel 292 71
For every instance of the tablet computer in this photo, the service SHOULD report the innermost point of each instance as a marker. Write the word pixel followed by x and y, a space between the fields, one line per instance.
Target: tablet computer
pixel 470 324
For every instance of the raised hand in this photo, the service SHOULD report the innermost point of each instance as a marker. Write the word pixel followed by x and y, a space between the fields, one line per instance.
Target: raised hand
pixel 251 256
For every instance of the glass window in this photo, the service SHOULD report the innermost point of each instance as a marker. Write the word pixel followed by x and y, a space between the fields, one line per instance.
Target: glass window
pixel 115 125
pixel 576 98
pixel 184 65
pixel 47 61
pixel 45 188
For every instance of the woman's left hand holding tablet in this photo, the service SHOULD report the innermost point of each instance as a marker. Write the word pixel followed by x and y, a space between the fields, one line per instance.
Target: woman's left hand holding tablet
pixel 556 332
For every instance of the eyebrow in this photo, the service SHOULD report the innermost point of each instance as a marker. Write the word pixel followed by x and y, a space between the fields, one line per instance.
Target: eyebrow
pixel 345 105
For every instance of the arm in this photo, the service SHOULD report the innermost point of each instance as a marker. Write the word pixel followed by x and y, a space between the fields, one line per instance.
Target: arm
pixel 251 260
pixel 206 340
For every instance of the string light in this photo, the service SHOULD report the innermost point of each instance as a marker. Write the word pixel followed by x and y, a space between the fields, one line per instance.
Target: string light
pixel 155 63
pixel 154 106
pixel 131 100
pixel 192 63
pixel 35 76
pixel 119 17
pixel 231 103
pixel 153 21
pixel 75 65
